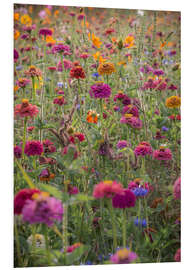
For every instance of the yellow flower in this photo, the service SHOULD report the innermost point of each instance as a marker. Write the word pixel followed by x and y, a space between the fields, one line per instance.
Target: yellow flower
pixel 95 40
pixel 56 13
pixel 16 87
pixel 173 102
pixel 26 19
pixel 122 63
pixel 108 182
pixel 96 55
pixel 16 34
pixel 129 41
pixel 16 16
pixel 106 68
pixel 49 39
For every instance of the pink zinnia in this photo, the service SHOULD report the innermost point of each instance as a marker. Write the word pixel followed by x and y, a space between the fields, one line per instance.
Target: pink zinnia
pixel 80 136
pixel 48 147
pixel 125 200
pixel 143 149
pixel 177 189
pixel 133 121
pixel 25 109
pixel 123 256
pixel 59 100
pixel 107 189
pixel 131 109
pixel 67 64
pixel 162 154
pixel 100 90
pixel 21 197
pixel 122 144
pixel 177 256
pixel 17 151
pixel 33 148
pixel 43 210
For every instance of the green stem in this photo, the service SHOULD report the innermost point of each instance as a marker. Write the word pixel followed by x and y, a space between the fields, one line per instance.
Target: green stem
pixel 64 227
pixel 124 227
pixel 33 90
pixel 24 135
pixel 113 224
pixel 45 229
pixel 17 244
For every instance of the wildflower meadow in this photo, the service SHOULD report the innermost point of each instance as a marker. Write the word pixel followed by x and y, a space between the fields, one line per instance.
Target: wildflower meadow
pixel 96 136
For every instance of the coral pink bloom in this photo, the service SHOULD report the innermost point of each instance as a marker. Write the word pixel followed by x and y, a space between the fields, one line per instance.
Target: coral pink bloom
pixel 162 154
pixel 177 256
pixel 25 109
pixel 107 189
pixel 177 189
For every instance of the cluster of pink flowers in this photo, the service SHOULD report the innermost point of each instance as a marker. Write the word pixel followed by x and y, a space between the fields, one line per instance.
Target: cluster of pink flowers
pixel 67 64
pixel 154 84
pixel 133 121
pixel 131 109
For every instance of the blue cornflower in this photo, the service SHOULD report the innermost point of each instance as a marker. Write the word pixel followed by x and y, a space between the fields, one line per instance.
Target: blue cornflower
pixel 140 191
pixel 164 128
pixel 88 263
pixel 60 84
pixel 141 222
pixel 19 67
pixel 96 75
pixel 78 106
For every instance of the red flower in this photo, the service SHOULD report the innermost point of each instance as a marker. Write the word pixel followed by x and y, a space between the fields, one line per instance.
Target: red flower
pixel 21 197
pixel 77 72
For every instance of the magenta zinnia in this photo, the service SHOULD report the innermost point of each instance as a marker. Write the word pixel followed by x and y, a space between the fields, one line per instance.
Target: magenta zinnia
pixel 100 90
pixel 33 148
pixel 162 154
pixel 125 200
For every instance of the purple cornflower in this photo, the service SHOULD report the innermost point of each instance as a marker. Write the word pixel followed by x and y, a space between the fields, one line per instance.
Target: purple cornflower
pixel 42 209
pixel 158 72
pixel 164 128
pixel 100 90
pixel 140 222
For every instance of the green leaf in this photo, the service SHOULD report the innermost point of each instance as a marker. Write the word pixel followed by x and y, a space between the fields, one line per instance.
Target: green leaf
pixel 52 190
pixel 80 198
pixel 26 177
pixel 76 254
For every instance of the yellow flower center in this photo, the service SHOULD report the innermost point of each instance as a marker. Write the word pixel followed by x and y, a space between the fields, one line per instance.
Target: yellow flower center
pixel 123 253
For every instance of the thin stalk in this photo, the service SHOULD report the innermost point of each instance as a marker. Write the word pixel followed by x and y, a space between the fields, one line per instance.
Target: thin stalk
pixel 17 245
pixel 113 225
pixel 47 244
pixel 24 135
pixel 124 227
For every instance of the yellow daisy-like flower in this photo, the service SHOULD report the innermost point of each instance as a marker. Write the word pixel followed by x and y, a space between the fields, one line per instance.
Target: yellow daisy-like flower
pixel 95 40
pixel 16 16
pixel 106 68
pixel 173 102
pixel 26 19
pixel 16 34
pixel 129 41
pixel 49 39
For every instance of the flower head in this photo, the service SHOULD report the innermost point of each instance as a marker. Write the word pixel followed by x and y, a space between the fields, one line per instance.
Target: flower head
pixel 21 197
pixel 162 154
pixel 25 109
pixel 125 200
pixel 22 82
pixel 140 191
pixel 92 117
pixel 177 256
pixel 123 256
pixel 143 149
pixel 173 102
pixel 107 189
pixel 177 189
pixel 33 148
pixel 122 144
pixel 33 72
pixel 39 240
pixel 60 101
pixel 100 90
pixel 106 68
pixel 45 32
pixel 17 151
pixel 77 72
pixel 42 209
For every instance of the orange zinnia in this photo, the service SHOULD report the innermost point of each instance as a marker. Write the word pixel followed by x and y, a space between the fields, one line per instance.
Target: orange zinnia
pixel 92 117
